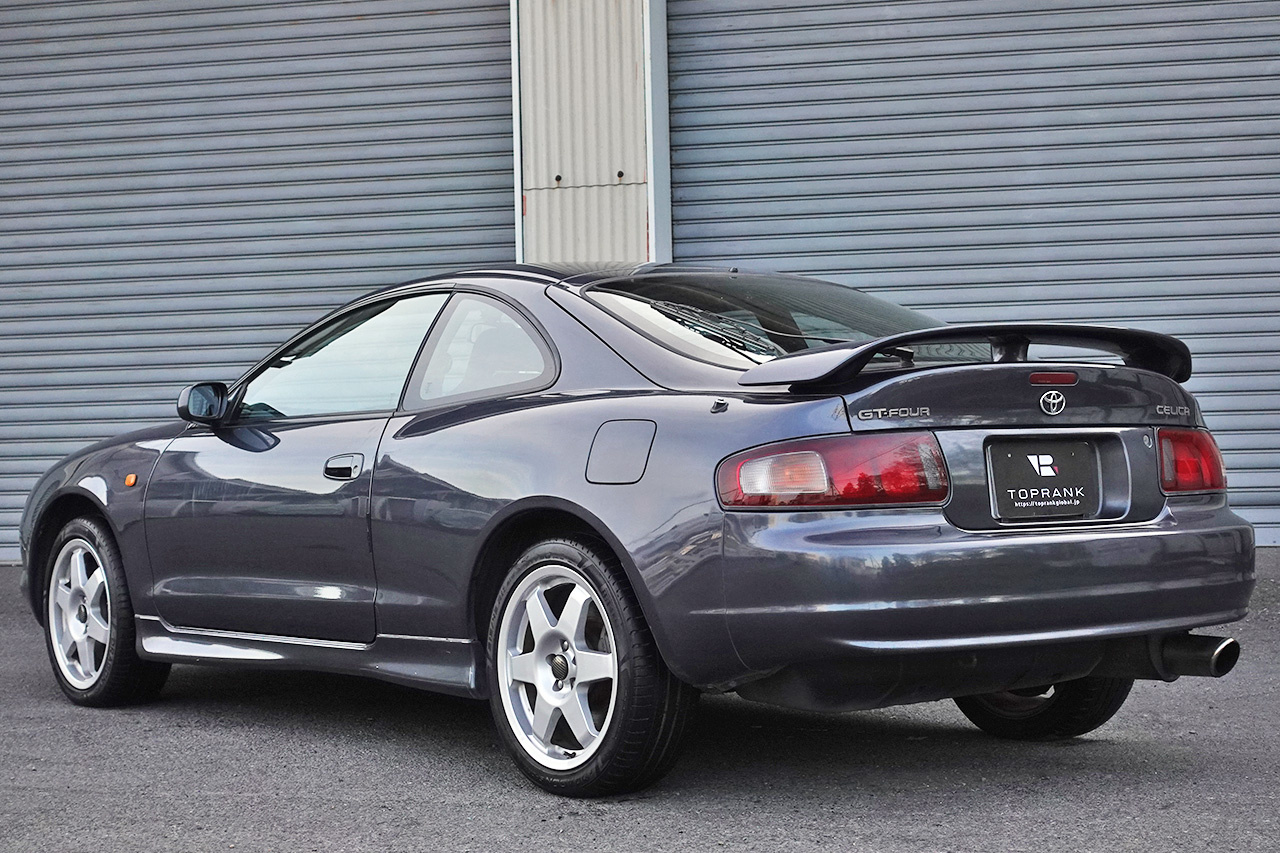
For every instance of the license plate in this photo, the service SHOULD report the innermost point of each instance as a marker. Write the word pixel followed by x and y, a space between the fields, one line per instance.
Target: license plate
pixel 1045 479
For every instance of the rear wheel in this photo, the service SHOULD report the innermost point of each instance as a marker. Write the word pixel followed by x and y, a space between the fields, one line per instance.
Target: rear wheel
pixel 1055 712
pixel 89 630
pixel 578 690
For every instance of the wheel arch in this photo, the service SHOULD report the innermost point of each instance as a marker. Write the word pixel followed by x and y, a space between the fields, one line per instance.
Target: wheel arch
pixel 523 524
pixel 73 503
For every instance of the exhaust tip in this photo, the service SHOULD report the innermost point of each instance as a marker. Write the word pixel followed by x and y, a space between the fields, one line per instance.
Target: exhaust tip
pixel 1193 654
pixel 1224 657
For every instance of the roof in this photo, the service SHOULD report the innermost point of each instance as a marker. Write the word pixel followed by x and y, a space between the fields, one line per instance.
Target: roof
pixel 567 274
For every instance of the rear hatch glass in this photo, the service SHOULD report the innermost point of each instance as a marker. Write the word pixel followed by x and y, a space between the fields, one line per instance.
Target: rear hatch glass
pixel 742 320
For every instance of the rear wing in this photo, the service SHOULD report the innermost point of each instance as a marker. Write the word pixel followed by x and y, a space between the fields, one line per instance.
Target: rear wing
pixel 839 363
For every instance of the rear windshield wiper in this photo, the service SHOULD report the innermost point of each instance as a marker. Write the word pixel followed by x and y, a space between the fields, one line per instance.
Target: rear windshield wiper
pixel 732 333
pixel 750 338
pixel 755 329
pixel 760 333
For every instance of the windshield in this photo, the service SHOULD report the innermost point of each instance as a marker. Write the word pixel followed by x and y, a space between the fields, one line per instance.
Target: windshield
pixel 746 319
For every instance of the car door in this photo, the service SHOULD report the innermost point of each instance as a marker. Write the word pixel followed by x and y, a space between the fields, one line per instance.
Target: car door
pixel 445 465
pixel 261 525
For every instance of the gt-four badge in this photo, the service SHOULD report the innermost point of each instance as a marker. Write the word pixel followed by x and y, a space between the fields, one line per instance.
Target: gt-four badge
pixel 872 414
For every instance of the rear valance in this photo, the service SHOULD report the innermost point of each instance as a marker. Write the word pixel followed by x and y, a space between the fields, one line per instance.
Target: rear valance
pixel 832 365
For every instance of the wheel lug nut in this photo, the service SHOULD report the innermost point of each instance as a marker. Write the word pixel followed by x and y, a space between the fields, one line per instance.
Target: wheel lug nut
pixel 559 685
pixel 564 645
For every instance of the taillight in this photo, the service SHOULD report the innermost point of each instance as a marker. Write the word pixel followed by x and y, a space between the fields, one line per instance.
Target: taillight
pixel 1190 461
pixel 847 470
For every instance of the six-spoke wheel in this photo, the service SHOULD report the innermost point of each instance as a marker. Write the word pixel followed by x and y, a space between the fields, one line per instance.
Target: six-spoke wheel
pixel 79 613
pixel 556 667
pixel 577 687
pixel 88 620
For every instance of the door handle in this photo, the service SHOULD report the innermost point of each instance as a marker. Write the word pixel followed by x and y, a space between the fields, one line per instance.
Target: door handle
pixel 347 466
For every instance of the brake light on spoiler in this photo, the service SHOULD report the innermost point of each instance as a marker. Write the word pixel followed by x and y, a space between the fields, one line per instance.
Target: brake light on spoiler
pixel 1190 461
pixel 1057 377
pixel 837 471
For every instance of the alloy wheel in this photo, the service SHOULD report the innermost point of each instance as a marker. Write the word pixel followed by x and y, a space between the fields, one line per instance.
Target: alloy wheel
pixel 79 617
pixel 557 667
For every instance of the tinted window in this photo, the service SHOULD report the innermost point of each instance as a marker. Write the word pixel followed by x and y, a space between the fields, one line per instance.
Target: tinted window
pixel 358 363
pixel 481 347
pixel 743 320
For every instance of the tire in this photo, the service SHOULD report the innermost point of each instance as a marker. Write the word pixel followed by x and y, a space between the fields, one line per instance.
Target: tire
pixel 1060 711
pixel 88 621
pixel 586 708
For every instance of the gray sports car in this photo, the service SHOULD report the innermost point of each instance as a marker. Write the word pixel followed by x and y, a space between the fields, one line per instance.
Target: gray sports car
pixel 588 495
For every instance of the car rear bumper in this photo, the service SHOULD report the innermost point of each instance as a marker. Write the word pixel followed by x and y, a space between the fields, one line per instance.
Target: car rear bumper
pixel 809 591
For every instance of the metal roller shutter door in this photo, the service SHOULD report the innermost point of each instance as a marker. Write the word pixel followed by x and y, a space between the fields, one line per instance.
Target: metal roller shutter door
pixel 1073 161
pixel 181 189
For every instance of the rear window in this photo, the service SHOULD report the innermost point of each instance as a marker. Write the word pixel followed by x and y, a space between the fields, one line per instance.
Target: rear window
pixel 742 320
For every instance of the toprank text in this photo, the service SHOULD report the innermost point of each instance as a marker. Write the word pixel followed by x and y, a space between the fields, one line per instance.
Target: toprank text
pixel 1046 494
pixel 872 414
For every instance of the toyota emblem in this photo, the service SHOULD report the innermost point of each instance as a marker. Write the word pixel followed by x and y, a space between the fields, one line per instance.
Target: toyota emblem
pixel 1052 402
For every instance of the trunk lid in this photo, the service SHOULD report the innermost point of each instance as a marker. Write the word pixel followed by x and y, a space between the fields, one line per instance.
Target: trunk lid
pixel 1021 454
pixel 1004 395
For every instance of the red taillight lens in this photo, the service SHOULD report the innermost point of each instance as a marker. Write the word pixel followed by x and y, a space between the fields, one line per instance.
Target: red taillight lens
pixel 1190 461
pixel 847 470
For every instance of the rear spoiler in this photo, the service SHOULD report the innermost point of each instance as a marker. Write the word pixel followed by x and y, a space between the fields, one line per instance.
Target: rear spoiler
pixel 839 363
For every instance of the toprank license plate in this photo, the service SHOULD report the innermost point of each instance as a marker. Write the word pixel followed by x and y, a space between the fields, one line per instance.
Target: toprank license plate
pixel 1045 479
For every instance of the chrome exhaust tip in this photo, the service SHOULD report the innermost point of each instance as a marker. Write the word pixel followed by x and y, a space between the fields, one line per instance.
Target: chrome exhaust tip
pixel 1165 657
pixel 1211 657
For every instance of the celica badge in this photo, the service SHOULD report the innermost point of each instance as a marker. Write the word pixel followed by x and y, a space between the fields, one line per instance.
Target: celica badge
pixel 1052 402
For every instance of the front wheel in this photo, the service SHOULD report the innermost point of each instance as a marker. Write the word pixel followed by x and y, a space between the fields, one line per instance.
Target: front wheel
pixel 577 687
pixel 1055 712
pixel 88 621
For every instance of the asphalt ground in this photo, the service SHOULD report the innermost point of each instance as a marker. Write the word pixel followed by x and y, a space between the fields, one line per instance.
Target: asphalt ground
pixel 249 761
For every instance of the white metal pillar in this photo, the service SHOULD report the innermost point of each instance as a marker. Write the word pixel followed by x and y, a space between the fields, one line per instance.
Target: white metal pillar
pixel 593 175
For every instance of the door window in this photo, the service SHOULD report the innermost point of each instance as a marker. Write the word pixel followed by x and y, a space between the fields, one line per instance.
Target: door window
pixel 481 348
pixel 358 363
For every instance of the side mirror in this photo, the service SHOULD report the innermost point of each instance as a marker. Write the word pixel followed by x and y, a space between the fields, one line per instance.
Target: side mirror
pixel 203 403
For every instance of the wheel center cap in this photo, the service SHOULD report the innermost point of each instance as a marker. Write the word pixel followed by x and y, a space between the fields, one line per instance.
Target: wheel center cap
pixel 559 667
pixel 82 613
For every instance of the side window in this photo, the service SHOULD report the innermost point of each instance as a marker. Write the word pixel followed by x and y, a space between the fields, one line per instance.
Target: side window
pixel 358 363
pixel 480 347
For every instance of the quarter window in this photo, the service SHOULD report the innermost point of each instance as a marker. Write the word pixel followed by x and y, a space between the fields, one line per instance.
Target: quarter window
pixel 480 348
pixel 358 363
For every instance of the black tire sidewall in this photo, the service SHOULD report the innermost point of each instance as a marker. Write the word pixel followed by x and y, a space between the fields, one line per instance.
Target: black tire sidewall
pixel 620 611
pixel 120 643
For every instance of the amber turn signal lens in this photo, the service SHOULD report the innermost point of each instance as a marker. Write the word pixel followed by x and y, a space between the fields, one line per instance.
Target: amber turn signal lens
pixel 130 479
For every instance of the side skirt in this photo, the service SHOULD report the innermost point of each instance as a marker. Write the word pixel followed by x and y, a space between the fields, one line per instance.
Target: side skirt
pixel 441 664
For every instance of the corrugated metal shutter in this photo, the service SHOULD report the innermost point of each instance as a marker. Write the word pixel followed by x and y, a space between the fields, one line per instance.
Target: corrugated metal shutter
pixel 181 189
pixel 1109 162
